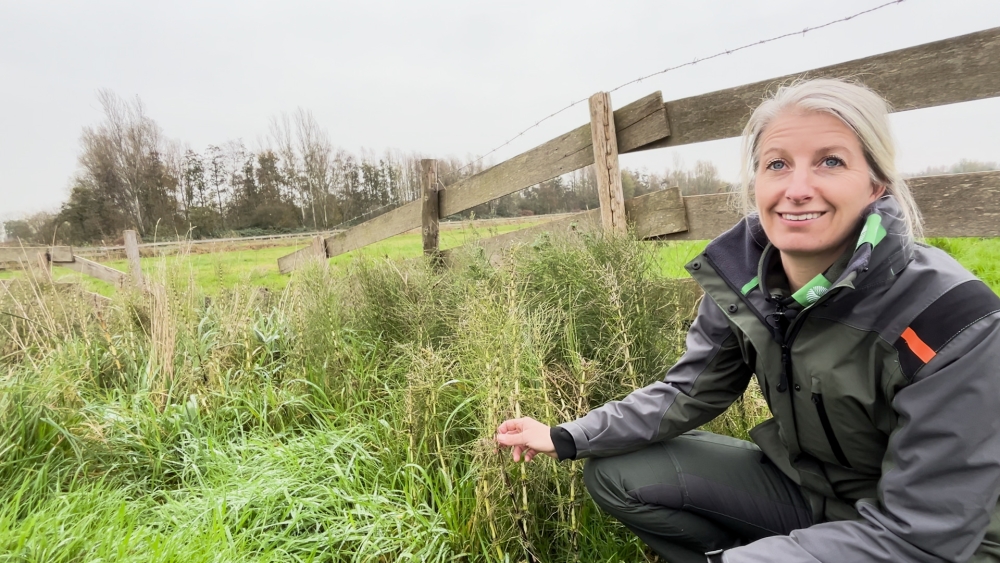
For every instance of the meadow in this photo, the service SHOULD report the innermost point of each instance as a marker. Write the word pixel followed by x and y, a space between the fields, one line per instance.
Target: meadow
pixel 258 265
pixel 344 414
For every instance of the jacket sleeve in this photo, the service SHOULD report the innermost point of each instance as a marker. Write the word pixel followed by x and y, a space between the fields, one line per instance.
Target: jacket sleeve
pixel 705 381
pixel 940 475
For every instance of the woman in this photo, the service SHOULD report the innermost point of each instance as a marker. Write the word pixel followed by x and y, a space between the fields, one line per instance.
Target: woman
pixel 877 356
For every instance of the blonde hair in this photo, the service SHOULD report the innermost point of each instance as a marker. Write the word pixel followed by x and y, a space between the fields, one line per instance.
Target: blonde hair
pixel 861 109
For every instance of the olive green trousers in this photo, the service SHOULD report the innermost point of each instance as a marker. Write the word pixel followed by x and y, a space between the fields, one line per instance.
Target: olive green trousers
pixel 697 493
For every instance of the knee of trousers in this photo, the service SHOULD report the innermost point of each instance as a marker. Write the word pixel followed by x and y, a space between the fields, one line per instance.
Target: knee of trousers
pixel 606 481
pixel 601 486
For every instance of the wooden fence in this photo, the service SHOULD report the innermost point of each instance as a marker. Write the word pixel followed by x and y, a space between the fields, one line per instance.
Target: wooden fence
pixel 951 71
pixel 40 260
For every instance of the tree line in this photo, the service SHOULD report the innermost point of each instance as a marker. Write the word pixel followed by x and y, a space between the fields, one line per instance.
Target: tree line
pixel 131 176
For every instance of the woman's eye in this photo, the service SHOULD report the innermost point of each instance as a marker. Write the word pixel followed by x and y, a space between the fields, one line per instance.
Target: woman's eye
pixel 832 161
pixel 775 165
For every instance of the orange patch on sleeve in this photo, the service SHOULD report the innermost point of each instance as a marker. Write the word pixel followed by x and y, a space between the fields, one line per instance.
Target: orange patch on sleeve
pixel 919 347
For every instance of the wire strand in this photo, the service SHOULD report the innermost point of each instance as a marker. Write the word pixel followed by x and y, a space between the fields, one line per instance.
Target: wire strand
pixel 398 203
pixel 636 81
pixel 687 64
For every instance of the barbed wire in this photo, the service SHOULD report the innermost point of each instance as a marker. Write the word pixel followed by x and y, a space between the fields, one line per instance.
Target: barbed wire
pixel 398 202
pixel 636 81
pixel 687 64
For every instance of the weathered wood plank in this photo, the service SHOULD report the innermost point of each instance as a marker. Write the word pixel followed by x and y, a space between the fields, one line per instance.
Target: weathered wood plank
pixel 20 254
pixel 636 124
pixel 297 259
pixel 656 214
pixel 132 252
pixel 430 211
pixel 708 216
pixel 959 205
pixel 318 247
pixel 59 254
pixel 584 221
pixel 315 251
pixel 606 170
pixel 389 224
pixel 959 69
pixel 95 270
pixel 953 205
pixel 649 215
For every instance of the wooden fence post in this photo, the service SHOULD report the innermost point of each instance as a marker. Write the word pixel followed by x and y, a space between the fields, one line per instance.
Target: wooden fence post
pixel 319 248
pixel 132 252
pixel 42 267
pixel 609 178
pixel 430 216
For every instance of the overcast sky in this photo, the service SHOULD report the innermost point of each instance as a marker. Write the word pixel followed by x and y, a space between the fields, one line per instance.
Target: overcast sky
pixel 440 78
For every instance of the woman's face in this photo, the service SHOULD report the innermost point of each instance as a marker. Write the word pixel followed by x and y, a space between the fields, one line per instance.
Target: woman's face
pixel 812 184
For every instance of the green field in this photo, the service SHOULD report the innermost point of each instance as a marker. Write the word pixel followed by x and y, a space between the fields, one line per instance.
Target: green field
pixel 258 267
pixel 345 415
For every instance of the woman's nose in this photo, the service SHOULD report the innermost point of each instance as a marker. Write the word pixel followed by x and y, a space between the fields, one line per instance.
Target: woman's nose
pixel 800 187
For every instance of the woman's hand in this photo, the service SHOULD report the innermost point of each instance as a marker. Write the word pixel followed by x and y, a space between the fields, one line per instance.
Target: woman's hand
pixel 527 436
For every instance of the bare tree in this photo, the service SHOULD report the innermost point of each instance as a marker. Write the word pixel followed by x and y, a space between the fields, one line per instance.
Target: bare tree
pixel 307 157
pixel 315 152
pixel 123 157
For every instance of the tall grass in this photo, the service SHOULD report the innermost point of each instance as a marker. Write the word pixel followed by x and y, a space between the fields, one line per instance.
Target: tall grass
pixel 347 418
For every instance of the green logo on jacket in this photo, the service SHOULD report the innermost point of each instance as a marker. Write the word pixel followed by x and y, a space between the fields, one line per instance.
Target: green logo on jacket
pixel 812 291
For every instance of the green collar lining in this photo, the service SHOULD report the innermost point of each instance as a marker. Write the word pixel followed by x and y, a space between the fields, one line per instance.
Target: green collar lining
pixel 873 232
pixel 812 291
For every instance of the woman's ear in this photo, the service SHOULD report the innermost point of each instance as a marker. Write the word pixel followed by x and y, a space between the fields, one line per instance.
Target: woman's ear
pixel 878 190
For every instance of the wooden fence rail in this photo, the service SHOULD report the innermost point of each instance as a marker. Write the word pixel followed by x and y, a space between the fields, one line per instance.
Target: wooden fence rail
pixel 44 258
pixel 952 205
pixel 637 124
pixel 960 69
pixel 944 72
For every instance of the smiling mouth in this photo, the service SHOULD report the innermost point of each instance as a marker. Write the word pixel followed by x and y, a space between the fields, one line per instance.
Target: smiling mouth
pixel 800 216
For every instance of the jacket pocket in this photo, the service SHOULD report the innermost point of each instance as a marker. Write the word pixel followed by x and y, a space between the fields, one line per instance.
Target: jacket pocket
pixel 767 436
pixel 824 419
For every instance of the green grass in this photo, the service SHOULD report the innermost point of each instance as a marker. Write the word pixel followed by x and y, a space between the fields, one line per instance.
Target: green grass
pixel 979 256
pixel 259 267
pixel 345 415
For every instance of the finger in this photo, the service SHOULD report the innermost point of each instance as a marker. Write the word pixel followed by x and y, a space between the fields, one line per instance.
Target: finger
pixel 513 439
pixel 517 452
pixel 512 425
pixel 530 454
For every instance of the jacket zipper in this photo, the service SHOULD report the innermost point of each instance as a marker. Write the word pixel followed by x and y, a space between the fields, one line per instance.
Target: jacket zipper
pixel 817 399
pixel 786 355
pixel 785 341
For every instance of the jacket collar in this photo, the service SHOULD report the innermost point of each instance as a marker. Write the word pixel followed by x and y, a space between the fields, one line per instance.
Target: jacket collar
pixel 882 250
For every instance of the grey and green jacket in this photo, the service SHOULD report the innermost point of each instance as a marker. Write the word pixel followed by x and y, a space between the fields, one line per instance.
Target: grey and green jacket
pixel 883 383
